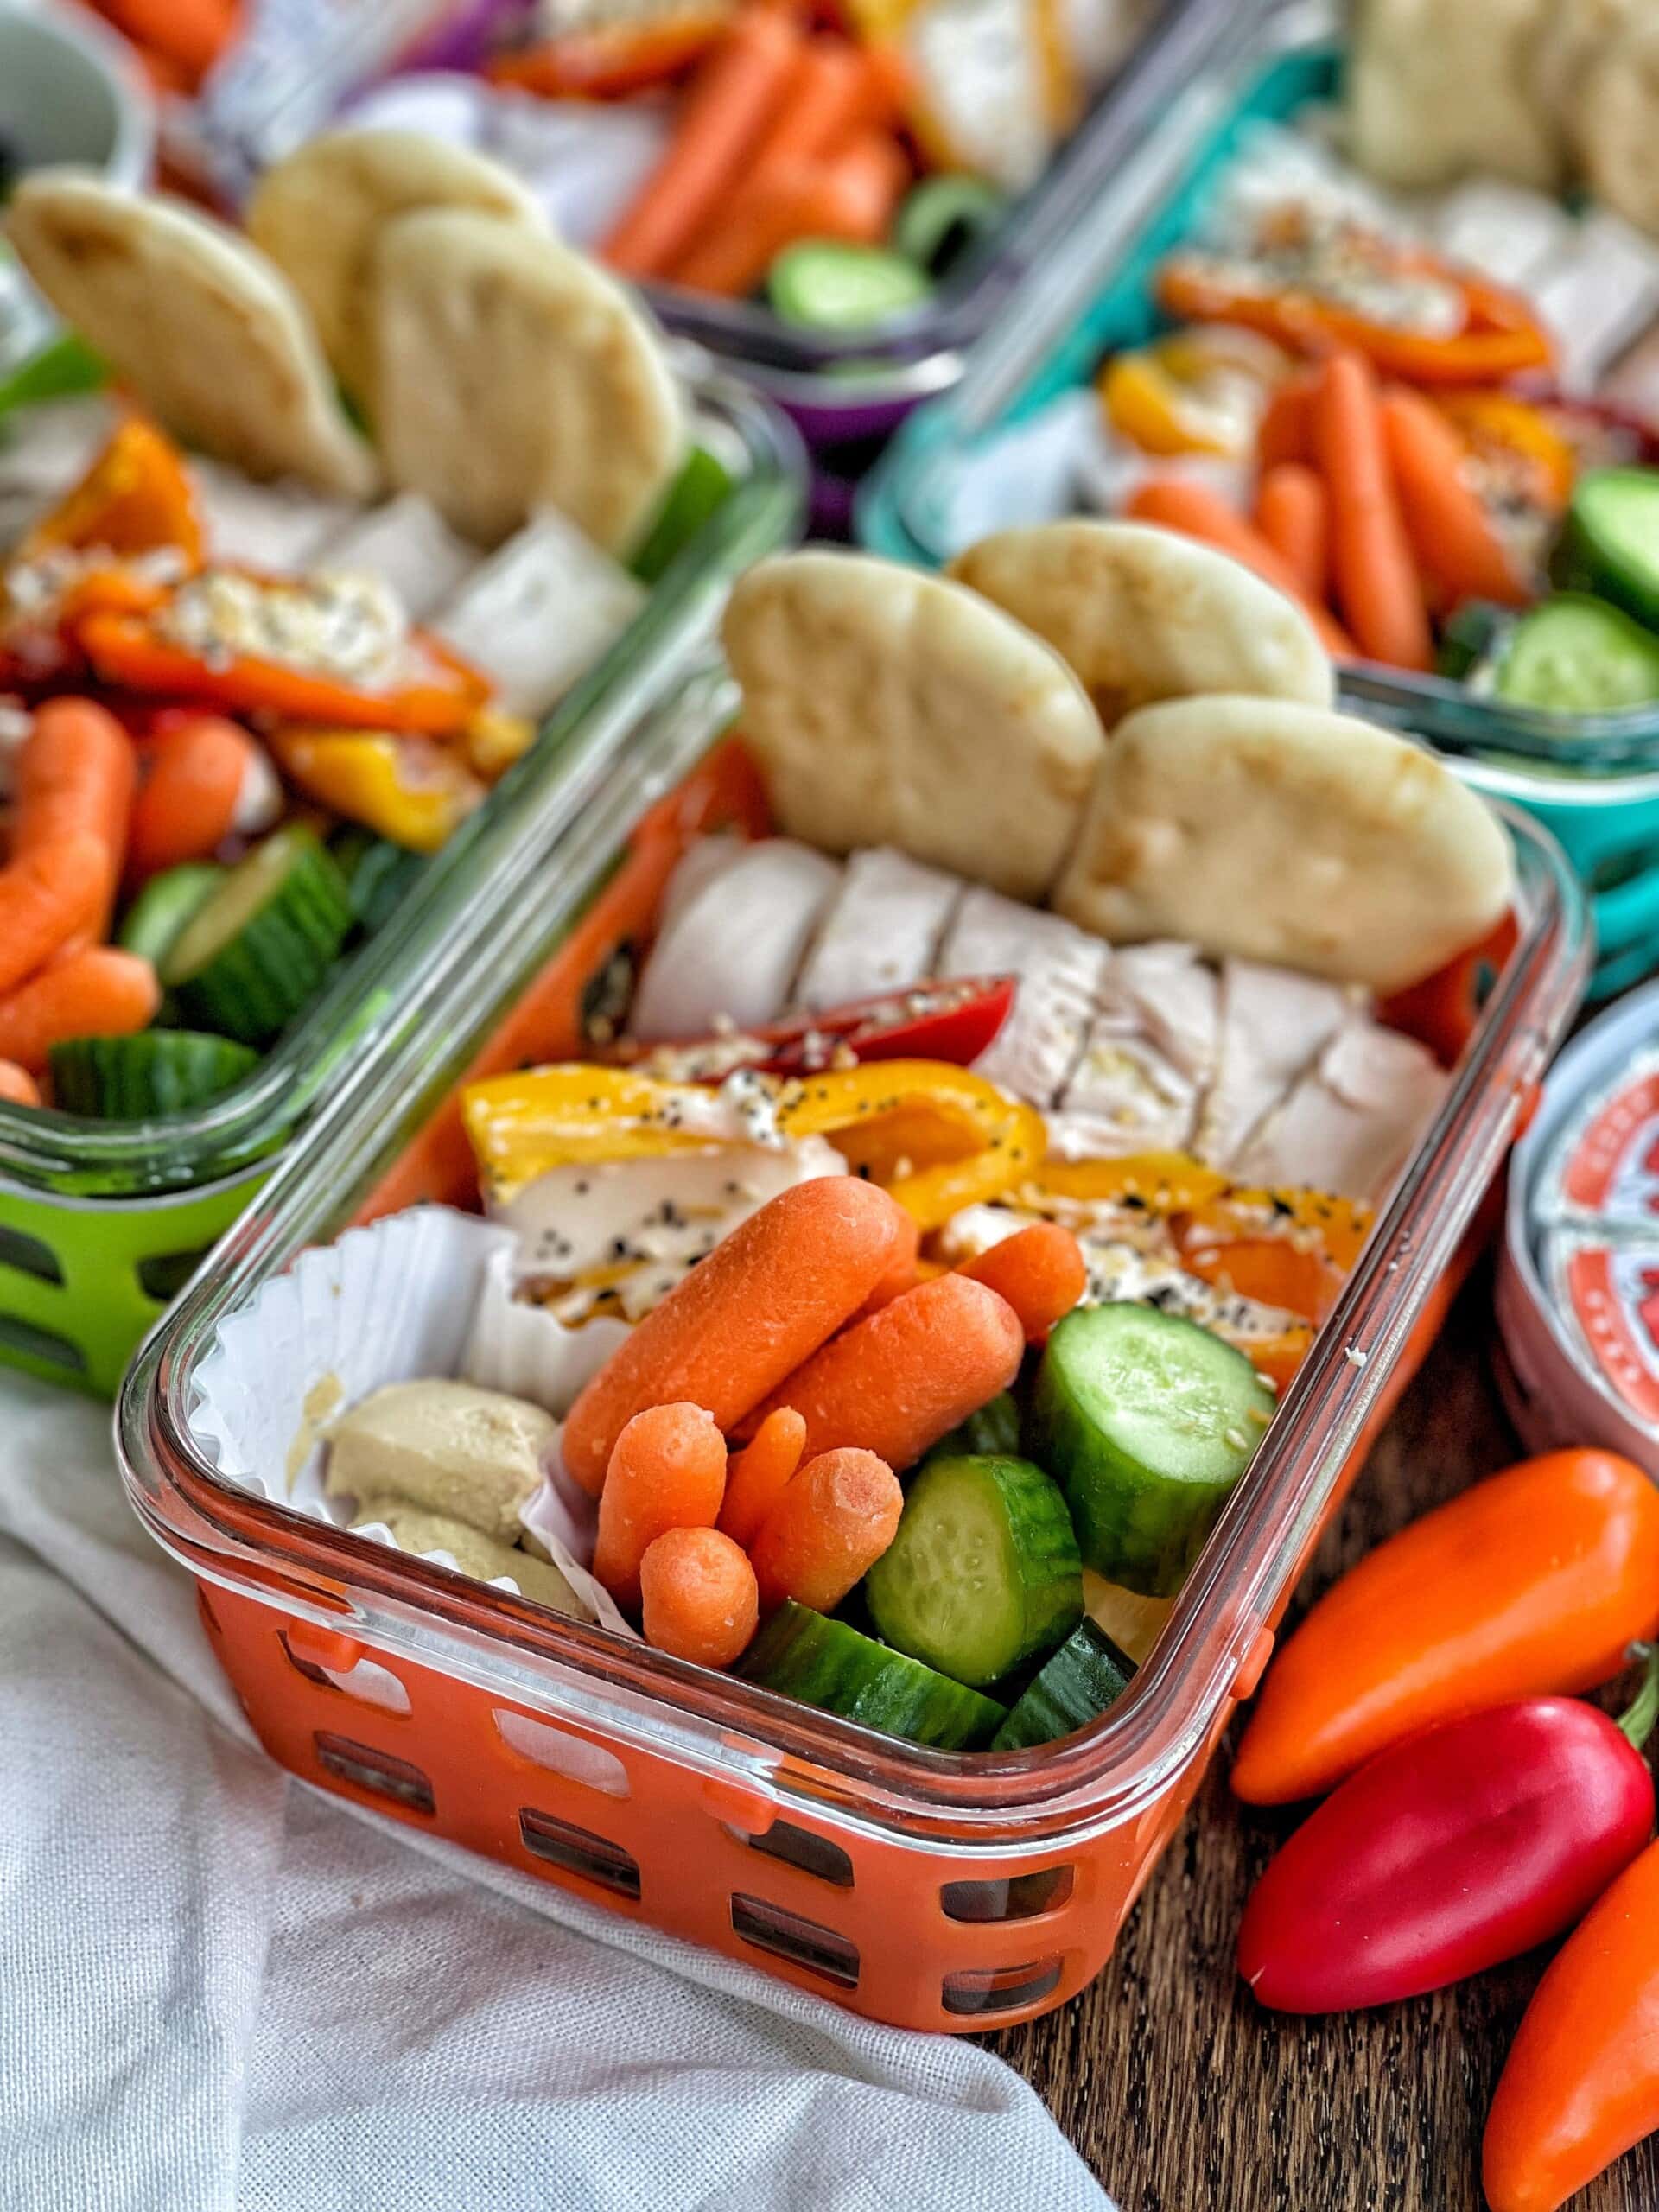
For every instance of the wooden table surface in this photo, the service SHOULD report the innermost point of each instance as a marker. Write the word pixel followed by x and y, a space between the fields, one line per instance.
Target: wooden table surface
pixel 1183 2096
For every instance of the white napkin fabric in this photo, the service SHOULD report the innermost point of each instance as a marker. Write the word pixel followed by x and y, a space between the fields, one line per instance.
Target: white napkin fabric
pixel 222 1992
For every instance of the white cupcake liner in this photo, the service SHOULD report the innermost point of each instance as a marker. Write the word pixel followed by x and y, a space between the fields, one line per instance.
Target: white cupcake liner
pixel 523 1351
pixel 397 1302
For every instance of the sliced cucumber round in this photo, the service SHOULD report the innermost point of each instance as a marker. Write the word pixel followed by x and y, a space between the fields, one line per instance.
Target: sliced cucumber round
pixel 825 1663
pixel 703 484
pixel 1611 542
pixel 135 1078
pixel 377 871
pixel 152 923
pixel 943 219
pixel 984 1573
pixel 1147 1421
pixel 1578 656
pixel 822 285
pixel 994 1427
pixel 1085 1675
pixel 257 949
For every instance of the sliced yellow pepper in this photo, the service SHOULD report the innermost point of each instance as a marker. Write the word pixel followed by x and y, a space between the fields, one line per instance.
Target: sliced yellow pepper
pixel 408 789
pixel 520 1126
pixel 1195 392
pixel 493 739
pixel 1163 1182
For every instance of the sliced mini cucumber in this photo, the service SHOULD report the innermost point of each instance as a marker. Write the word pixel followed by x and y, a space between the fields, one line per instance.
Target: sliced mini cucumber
pixel 827 1664
pixel 135 1078
pixel 1085 1675
pixel 1147 1421
pixel 1578 656
pixel 944 218
pixel 255 952
pixel 984 1572
pixel 377 871
pixel 994 1427
pixel 167 902
pixel 822 285
pixel 1471 638
pixel 702 485
pixel 1609 545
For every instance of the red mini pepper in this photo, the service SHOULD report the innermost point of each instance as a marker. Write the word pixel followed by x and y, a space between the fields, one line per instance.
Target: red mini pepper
pixel 953 1022
pixel 1457 1849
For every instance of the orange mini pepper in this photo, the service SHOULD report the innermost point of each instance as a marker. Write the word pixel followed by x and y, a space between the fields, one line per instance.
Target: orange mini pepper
pixel 136 497
pixel 1537 1579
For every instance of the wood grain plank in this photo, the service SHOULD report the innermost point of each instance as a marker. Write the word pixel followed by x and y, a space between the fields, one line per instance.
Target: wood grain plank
pixel 1181 2095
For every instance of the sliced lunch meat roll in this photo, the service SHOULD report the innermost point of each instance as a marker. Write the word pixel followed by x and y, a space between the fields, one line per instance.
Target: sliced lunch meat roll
pixel 407 545
pixel 278 528
pixel 1059 968
pixel 49 451
pixel 1350 1124
pixel 1274 1025
pixel 1147 1060
pixel 539 613
pixel 884 930
pixel 733 951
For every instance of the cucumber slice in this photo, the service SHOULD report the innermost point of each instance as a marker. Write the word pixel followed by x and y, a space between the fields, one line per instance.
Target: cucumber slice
pixel 825 1663
pixel 165 906
pixel 1086 1674
pixel 821 285
pixel 1147 1421
pixel 1471 637
pixel 158 1072
pixel 994 1427
pixel 1609 545
pixel 943 219
pixel 1578 655
pixel 984 1572
pixel 702 485
pixel 254 953
pixel 377 871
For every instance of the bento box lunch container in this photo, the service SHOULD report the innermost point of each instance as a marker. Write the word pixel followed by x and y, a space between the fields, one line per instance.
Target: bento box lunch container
pixel 1577 1284
pixel 101 1220
pixel 928 1889
pixel 995 452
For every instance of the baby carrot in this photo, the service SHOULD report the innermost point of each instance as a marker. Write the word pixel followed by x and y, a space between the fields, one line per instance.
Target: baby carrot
pixel 1377 587
pixel 897 1382
pixel 667 1470
pixel 732 99
pixel 75 776
pixel 17 1085
pixel 828 1530
pixel 757 1477
pixel 1451 533
pixel 97 992
pixel 193 775
pixel 699 1597
pixel 902 1273
pixel 1179 503
pixel 1286 430
pixel 1039 1271
pixel 49 895
pixel 764 1300
pixel 1293 515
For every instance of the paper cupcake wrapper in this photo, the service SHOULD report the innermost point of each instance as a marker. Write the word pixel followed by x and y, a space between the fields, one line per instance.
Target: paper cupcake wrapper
pixel 396 1302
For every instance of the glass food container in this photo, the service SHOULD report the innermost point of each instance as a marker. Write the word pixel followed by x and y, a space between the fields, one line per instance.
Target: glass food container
pixel 996 451
pixel 101 1220
pixel 937 1891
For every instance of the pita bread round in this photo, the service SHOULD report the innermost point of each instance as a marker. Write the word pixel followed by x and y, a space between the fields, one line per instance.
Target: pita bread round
pixel 1143 614
pixel 1615 123
pixel 513 373
pixel 319 213
pixel 195 321
pixel 1284 833
pixel 1440 89
pixel 1571 35
pixel 892 708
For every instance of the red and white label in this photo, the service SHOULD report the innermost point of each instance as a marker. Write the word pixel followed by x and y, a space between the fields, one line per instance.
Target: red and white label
pixel 1611 1166
pixel 1614 1295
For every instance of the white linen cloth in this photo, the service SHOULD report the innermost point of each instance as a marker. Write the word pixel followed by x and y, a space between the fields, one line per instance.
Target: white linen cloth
pixel 221 1991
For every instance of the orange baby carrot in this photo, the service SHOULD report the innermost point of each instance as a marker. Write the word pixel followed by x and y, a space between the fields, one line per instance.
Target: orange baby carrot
pixel 902 1273
pixel 1450 530
pixel 1286 430
pixel 897 1382
pixel 1039 1271
pixel 764 1300
pixel 757 1477
pixel 699 1597
pixel 75 776
pixel 732 99
pixel 49 895
pixel 828 1530
pixel 1377 587
pixel 848 196
pixel 17 1085
pixel 193 775
pixel 1181 504
pixel 667 1470
pixel 1293 515
pixel 97 992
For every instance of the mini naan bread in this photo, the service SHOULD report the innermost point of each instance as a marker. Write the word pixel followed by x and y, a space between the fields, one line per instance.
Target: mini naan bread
pixel 1441 89
pixel 1571 35
pixel 1614 121
pixel 1143 614
pixel 1275 832
pixel 891 707
pixel 195 321
pixel 513 373
pixel 318 214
